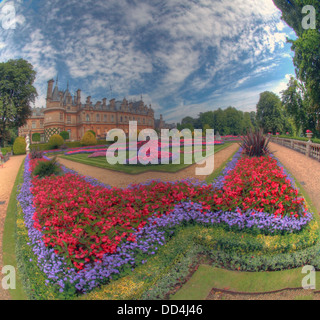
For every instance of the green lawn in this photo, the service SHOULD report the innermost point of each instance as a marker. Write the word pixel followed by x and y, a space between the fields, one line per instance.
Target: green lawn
pixel 9 237
pixel 207 277
pixel 101 162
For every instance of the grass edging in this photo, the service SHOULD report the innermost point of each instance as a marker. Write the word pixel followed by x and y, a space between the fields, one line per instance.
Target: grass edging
pixel 207 277
pixel 9 237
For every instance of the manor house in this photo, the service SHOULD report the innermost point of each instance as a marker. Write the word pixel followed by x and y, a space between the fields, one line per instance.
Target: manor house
pixel 65 112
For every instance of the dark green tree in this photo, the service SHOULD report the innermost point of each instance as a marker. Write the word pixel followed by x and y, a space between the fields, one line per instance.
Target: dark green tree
pixel 16 94
pixel 306 50
pixel 293 102
pixel 269 113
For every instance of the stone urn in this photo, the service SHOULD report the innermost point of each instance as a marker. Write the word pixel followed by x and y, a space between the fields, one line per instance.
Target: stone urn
pixel 309 134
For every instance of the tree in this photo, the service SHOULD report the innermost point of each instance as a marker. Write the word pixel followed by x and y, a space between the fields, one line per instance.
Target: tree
pixel 307 63
pixel 16 94
pixel 293 102
pixel 269 112
pixel 306 49
pixel 64 135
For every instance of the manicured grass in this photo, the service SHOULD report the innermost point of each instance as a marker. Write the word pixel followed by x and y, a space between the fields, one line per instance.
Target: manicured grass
pixel 208 277
pixel 132 169
pixel 9 237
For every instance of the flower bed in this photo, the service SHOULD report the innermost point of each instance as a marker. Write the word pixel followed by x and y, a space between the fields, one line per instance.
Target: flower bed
pixel 84 232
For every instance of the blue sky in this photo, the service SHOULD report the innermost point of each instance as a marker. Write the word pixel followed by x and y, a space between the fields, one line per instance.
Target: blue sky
pixel 183 56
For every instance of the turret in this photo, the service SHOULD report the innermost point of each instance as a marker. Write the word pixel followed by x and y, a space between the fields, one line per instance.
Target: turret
pixel 49 91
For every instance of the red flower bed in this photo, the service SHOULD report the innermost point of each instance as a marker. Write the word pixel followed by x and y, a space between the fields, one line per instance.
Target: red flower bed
pixel 259 184
pixel 33 163
pixel 83 222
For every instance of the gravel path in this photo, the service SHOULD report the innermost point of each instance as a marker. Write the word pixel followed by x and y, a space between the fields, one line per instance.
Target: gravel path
pixel 122 180
pixel 303 168
pixel 8 174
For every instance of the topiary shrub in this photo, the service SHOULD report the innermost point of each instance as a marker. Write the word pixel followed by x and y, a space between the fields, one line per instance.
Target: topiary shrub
pixel 92 132
pixel 19 146
pixel 55 142
pixel 64 135
pixel 36 137
pixel 47 168
pixel 88 139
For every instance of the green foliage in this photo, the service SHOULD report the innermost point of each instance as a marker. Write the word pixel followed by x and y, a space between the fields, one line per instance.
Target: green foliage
pixel 269 112
pixel 229 121
pixel 36 137
pixel 64 135
pixel 88 139
pixel 92 132
pixel 6 150
pixel 306 56
pixel 47 168
pixel 255 143
pixel 16 94
pixel 55 142
pixel 19 146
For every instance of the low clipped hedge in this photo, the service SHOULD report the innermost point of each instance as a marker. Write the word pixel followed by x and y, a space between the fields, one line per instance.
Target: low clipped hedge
pixel 69 144
pixel 314 140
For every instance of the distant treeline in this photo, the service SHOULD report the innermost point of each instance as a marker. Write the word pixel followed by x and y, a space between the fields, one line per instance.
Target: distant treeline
pixel 229 121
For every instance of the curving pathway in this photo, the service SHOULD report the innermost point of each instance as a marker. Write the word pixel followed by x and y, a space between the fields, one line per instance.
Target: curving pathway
pixel 303 168
pixel 122 180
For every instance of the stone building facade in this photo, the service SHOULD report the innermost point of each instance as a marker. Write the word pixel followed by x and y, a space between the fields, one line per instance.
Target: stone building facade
pixel 65 112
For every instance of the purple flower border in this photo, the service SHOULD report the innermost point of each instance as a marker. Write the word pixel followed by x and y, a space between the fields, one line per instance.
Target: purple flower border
pixel 148 239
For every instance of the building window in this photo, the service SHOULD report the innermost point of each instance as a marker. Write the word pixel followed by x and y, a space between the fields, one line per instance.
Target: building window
pixel 34 125
pixel 88 118
pixel 69 131
pixel 105 118
pixel 68 119
pixel 144 120
pixel 61 116
pixel 98 117
pixel 41 123
pixel 112 118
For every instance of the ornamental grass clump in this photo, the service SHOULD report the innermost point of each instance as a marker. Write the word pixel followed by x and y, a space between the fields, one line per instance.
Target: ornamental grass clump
pixel 255 143
pixel 36 153
pixel 47 168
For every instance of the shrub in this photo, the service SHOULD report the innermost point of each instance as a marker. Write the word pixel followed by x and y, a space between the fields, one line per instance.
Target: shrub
pixel 6 150
pixel 255 143
pixel 64 135
pixel 88 139
pixel 92 132
pixel 55 142
pixel 47 168
pixel 36 137
pixel 19 146
pixel 36 153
